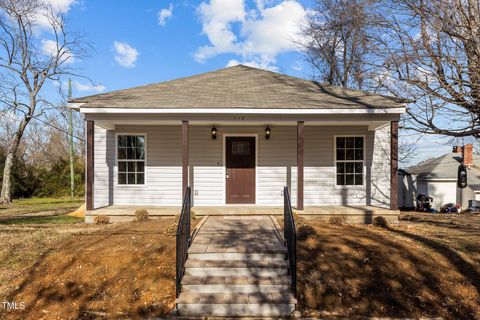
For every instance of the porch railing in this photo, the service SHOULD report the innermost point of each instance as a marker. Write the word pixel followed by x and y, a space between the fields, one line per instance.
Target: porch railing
pixel 290 236
pixel 183 239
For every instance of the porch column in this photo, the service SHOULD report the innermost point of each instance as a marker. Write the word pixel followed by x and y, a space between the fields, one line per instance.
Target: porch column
pixel 184 157
pixel 90 166
pixel 300 149
pixel 393 165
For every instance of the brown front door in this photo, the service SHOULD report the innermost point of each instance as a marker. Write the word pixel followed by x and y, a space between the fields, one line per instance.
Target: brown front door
pixel 240 170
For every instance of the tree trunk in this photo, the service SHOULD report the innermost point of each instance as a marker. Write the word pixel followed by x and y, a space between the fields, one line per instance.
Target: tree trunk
pixel 6 195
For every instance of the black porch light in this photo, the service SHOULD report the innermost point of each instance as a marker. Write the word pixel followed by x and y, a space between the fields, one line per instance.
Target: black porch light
pixel 214 133
pixel 267 132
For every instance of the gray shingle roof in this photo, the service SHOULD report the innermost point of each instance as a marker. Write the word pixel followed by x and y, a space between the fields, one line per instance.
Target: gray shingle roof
pixel 239 87
pixel 446 168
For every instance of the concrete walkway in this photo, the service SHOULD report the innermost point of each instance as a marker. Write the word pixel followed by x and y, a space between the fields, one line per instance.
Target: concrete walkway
pixel 237 266
pixel 237 234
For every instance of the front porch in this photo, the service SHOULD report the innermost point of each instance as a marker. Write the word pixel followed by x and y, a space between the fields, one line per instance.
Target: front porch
pixel 352 214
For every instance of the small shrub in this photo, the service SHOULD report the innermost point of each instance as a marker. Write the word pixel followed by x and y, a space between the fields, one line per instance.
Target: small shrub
pixel 141 215
pixel 171 230
pixel 305 231
pixel 299 220
pixel 337 220
pixel 380 222
pixel 101 219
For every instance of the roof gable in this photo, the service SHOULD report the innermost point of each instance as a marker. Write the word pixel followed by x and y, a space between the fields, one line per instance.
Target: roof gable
pixel 445 167
pixel 240 87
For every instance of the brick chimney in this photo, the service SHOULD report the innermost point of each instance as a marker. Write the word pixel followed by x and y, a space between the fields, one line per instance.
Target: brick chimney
pixel 467 155
pixel 456 149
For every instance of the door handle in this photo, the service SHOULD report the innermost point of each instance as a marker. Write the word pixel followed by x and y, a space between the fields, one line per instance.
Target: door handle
pixel 227 175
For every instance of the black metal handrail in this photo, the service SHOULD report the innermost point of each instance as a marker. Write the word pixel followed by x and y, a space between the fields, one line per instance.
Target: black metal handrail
pixel 290 236
pixel 183 239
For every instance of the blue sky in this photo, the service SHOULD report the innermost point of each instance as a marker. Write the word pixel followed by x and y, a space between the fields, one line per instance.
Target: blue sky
pixel 191 38
pixel 148 41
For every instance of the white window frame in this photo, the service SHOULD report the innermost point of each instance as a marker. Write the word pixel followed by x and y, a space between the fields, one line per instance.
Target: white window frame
pixel 362 161
pixel 136 134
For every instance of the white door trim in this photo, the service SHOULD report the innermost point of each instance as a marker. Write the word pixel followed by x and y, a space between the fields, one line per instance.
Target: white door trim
pixel 224 183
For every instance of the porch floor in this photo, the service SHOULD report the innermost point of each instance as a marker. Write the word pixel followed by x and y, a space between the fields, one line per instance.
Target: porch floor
pixel 355 214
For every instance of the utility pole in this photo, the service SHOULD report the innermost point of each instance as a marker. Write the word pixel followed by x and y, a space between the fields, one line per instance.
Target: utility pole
pixel 72 169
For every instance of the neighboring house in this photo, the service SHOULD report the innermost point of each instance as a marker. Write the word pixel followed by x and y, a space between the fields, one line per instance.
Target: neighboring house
pixel 438 178
pixel 237 136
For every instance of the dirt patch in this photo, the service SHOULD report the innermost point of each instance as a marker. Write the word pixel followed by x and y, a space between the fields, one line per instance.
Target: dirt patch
pixel 421 269
pixel 121 271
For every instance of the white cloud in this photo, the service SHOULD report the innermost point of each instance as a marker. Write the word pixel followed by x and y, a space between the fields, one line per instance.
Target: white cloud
pixel 125 54
pixel 217 19
pixel 88 87
pixel 252 63
pixel 41 17
pixel 165 14
pixel 265 32
pixel 49 48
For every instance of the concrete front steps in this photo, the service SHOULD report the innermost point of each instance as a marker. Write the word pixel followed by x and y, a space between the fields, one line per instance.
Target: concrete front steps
pixel 253 282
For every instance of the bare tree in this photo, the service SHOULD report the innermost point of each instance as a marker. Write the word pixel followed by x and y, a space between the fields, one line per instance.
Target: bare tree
pixel 28 63
pixel 339 41
pixel 430 52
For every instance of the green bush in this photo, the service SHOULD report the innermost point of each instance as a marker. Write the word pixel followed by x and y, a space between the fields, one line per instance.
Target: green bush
pixel 24 181
pixel 51 180
pixel 55 181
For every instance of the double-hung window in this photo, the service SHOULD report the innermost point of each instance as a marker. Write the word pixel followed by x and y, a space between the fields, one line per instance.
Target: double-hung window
pixel 131 159
pixel 349 160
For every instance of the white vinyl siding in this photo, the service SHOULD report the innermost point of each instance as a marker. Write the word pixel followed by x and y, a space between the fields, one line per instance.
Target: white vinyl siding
pixel 442 193
pixel 477 196
pixel 320 175
pixel 276 166
pixel 103 155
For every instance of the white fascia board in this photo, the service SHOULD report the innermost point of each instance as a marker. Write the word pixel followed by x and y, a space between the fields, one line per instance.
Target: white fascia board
pixel 75 106
pixel 242 111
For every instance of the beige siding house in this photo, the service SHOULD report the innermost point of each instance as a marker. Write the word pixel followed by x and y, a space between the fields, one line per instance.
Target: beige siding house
pixel 237 136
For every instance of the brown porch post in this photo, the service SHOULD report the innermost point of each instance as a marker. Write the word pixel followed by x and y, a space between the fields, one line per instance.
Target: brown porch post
pixel 90 166
pixel 184 156
pixel 300 149
pixel 393 165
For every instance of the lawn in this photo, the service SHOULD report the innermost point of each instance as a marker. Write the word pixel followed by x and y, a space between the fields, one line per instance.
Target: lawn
pixel 70 271
pixel 40 205
pixel 427 266
pixel 56 219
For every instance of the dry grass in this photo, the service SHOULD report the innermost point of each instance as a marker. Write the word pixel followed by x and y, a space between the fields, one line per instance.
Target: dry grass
pixel 426 268
pixel 40 205
pixel 101 220
pixel 24 245
pixel 111 271
pixel 141 215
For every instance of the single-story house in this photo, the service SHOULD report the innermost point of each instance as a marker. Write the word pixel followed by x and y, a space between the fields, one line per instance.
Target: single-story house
pixel 237 136
pixel 437 178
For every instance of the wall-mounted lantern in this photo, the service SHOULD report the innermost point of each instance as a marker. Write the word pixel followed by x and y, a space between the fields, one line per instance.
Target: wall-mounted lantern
pixel 267 132
pixel 214 133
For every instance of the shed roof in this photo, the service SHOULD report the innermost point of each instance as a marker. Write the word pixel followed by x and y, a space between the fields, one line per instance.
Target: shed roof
pixel 446 168
pixel 240 87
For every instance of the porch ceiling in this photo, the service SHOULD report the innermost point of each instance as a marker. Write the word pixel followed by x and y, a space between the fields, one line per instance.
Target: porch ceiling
pixel 372 125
